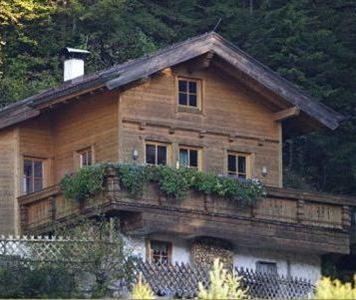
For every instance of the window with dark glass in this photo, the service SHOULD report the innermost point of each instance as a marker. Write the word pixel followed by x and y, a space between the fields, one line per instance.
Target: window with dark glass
pixel 86 157
pixel 266 267
pixel 160 252
pixel 237 165
pixel 33 175
pixel 156 154
pixel 189 157
pixel 188 92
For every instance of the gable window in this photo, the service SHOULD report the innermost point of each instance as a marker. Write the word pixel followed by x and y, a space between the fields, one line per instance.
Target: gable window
pixel 189 92
pixel 238 165
pixel 189 157
pixel 86 157
pixel 156 154
pixel 32 175
pixel 160 252
pixel 266 267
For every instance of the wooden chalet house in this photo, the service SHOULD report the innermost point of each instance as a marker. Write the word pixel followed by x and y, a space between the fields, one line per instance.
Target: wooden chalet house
pixel 202 103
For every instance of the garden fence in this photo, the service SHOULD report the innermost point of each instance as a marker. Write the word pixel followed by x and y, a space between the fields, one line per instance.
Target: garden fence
pixel 178 280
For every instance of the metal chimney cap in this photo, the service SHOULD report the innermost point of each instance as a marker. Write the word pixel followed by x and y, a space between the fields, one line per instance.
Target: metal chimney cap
pixel 67 53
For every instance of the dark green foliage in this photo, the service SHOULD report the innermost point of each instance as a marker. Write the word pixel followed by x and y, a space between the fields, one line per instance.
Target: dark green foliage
pixel 20 279
pixel 174 183
pixel 83 184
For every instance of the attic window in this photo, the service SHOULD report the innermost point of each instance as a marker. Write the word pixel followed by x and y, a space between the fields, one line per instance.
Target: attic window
pixel 189 92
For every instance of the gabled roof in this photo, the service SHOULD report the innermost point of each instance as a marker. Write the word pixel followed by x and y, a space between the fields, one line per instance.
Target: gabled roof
pixel 134 70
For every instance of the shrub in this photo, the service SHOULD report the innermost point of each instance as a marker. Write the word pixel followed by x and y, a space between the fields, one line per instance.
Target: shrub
pixel 142 290
pixel 36 280
pixel 334 289
pixel 223 285
pixel 85 183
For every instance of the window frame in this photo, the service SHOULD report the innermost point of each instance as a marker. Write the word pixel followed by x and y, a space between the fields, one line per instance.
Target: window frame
pixel 149 250
pixel 259 263
pixel 190 148
pixel 81 152
pixel 248 163
pixel 157 144
pixel 33 161
pixel 199 85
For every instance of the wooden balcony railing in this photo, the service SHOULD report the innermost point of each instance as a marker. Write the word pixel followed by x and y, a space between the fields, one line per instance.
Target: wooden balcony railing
pixel 299 213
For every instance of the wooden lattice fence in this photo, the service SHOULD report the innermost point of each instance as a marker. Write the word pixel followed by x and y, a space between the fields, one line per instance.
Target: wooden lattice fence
pixel 179 280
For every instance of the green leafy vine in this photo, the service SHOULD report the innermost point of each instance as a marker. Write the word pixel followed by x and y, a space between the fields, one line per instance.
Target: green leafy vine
pixel 173 183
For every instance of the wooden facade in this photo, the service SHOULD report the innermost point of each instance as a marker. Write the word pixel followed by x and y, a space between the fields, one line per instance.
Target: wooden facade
pixel 234 114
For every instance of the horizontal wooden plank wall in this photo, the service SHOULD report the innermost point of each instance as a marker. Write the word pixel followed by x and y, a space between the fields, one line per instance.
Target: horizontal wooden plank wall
pixel 8 150
pixel 92 121
pixel 36 141
pixel 231 119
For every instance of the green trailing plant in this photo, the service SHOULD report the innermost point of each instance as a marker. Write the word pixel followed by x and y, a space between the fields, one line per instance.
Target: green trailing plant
pixel 85 183
pixel 173 183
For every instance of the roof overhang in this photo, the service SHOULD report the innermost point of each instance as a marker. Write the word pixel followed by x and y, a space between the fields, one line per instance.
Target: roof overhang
pixel 240 65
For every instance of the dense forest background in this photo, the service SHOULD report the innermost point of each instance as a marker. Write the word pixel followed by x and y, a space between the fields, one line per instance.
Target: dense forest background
pixel 310 42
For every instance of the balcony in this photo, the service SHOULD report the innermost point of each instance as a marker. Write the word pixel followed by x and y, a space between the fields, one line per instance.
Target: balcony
pixel 288 218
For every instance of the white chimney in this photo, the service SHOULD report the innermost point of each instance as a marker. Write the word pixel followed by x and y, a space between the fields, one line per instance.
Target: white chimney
pixel 73 62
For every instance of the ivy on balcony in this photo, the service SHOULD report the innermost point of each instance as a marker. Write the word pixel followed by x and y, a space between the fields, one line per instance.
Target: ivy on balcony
pixel 173 183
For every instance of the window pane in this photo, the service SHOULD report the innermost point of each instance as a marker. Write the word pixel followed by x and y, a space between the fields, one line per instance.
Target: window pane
pixel 192 100
pixel 150 154
pixel 242 164
pixel 38 169
pixel 182 99
pixel 183 157
pixel 37 184
pixel 231 164
pixel 84 159
pixel 27 168
pixel 89 158
pixel 161 155
pixel 193 158
pixel 29 185
pixel 182 86
pixel 160 252
pixel 192 87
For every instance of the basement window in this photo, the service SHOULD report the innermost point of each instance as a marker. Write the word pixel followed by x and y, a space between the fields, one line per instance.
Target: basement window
pixel 156 154
pixel 189 92
pixel 189 157
pixel 32 175
pixel 160 252
pixel 238 164
pixel 266 267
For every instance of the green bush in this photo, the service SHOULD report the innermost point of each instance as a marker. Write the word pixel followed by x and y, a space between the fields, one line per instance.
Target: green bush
pixel 24 279
pixel 86 183
pixel 174 183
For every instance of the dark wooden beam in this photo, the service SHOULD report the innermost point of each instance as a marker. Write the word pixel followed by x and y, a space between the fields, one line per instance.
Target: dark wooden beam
pixel 202 62
pixel 286 113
